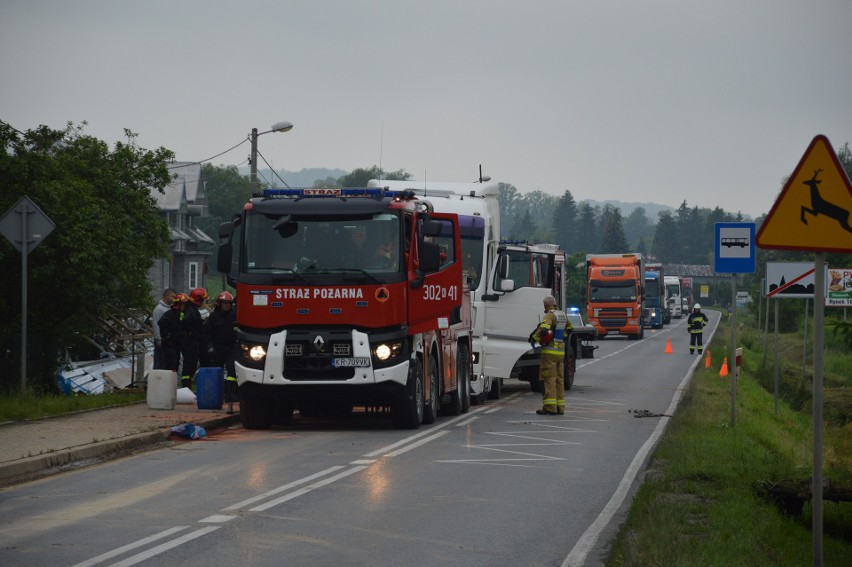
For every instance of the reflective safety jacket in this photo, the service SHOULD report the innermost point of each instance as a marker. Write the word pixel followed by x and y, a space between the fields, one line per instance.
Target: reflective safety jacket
pixel 696 322
pixel 555 322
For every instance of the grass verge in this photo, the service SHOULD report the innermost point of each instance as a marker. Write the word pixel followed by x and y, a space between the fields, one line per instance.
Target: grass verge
pixel 703 500
pixel 20 407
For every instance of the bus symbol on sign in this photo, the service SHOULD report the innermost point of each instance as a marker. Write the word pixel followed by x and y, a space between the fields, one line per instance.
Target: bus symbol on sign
pixel 741 242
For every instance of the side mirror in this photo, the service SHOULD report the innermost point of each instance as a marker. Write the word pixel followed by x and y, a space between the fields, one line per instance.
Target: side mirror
pixel 503 267
pixel 507 285
pixel 223 259
pixel 430 257
pixel 432 228
pixel 226 229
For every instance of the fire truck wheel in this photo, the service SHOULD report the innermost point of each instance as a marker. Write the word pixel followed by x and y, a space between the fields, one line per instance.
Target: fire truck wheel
pixel 407 408
pixel 255 408
pixel 283 414
pixel 455 406
pixel 467 360
pixel 431 411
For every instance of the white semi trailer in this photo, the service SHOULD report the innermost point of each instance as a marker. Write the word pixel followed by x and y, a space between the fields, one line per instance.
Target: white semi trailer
pixel 508 282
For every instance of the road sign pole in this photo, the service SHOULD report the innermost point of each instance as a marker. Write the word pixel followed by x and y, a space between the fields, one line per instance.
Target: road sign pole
pixel 733 357
pixel 23 211
pixel 816 487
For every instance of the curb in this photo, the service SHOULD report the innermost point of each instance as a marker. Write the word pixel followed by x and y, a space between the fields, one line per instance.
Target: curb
pixel 24 469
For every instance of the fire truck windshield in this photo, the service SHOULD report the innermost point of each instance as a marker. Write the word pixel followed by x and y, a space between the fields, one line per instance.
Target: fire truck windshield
pixel 276 245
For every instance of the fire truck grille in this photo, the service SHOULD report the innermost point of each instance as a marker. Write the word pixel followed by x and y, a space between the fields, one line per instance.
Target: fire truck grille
pixel 306 363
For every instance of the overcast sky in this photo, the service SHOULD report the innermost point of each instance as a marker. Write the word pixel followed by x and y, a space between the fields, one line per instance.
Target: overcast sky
pixel 660 101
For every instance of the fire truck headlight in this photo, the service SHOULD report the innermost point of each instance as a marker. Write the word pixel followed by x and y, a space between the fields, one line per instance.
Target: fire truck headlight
pixel 383 352
pixel 257 352
pixel 630 312
pixel 386 351
pixel 253 351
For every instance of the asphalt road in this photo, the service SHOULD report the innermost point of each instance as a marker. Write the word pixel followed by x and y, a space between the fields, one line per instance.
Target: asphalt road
pixel 497 486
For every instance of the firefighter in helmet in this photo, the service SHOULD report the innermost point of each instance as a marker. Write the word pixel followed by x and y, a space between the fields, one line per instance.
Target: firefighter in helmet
pixel 551 335
pixel 171 333
pixel 223 339
pixel 695 325
pixel 195 343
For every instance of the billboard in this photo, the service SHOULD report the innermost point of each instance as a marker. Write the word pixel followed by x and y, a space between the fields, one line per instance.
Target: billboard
pixel 839 287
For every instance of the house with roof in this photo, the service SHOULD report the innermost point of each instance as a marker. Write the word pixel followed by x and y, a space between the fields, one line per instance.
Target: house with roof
pixel 182 203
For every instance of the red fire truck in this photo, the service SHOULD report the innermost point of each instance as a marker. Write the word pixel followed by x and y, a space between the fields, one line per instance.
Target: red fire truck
pixel 347 297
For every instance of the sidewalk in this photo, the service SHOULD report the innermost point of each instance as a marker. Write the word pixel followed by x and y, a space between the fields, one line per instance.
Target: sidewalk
pixel 32 447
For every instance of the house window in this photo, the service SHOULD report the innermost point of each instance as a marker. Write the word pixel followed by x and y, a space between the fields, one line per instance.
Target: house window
pixel 193 275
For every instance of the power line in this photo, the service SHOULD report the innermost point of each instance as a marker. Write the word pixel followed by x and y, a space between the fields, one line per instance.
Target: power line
pixel 273 170
pixel 214 157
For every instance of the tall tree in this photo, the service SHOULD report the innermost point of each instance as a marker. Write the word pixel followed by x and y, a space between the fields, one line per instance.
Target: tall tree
pixel 587 228
pixel 227 193
pixel 612 234
pixel 665 247
pixel 564 222
pixel 108 232
pixel 637 225
pixel 510 202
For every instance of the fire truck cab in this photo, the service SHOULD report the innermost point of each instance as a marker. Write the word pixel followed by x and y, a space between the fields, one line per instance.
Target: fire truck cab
pixel 347 297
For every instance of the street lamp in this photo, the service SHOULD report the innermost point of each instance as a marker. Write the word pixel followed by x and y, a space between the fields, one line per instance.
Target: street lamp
pixel 277 127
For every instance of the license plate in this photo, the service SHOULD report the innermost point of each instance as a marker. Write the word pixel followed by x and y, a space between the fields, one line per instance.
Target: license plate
pixel 355 361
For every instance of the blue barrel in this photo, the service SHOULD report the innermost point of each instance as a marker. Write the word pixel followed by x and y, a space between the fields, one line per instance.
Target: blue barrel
pixel 209 386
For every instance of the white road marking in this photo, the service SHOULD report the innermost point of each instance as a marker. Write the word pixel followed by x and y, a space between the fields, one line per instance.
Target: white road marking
pixel 154 551
pixel 129 547
pixel 307 489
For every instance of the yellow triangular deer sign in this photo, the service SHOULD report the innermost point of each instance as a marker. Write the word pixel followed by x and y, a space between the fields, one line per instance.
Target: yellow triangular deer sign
pixel 814 210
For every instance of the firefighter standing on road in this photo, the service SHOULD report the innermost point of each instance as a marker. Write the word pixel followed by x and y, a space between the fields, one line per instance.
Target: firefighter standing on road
pixel 695 325
pixel 223 338
pixel 195 343
pixel 550 334
pixel 171 334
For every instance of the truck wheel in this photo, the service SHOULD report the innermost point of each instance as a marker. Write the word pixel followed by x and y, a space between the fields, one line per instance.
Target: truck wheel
pixel 255 408
pixel 462 391
pixel 431 412
pixel 407 408
pixel 479 399
pixel 464 354
pixel 569 370
pixel 496 389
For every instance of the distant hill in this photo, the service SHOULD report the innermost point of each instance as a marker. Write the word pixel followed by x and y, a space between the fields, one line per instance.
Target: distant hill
pixel 305 177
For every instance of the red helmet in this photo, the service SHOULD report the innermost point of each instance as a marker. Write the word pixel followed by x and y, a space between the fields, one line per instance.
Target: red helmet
pixel 198 296
pixel 179 300
pixel 224 296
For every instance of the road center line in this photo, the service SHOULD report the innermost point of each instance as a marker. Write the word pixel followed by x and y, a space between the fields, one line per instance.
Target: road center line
pixel 305 490
pixel 145 555
pixel 280 489
pixel 130 546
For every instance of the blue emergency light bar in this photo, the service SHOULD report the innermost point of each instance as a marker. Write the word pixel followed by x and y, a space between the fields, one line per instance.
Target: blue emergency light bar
pixel 369 192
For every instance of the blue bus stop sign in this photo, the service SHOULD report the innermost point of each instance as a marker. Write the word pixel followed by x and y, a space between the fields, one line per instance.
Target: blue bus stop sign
pixel 735 251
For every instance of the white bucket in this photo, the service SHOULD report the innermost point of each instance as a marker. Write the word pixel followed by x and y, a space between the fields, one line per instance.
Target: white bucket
pixel 162 389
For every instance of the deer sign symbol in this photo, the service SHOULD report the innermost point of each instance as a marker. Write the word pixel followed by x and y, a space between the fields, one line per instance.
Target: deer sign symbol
pixel 822 207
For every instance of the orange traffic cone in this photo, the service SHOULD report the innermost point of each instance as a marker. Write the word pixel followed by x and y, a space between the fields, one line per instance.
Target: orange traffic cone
pixel 669 346
pixel 724 370
pixel 707 361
